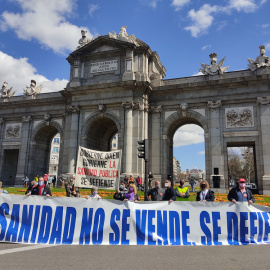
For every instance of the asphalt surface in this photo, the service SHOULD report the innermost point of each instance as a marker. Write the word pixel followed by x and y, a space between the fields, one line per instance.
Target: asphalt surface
pixel 134 257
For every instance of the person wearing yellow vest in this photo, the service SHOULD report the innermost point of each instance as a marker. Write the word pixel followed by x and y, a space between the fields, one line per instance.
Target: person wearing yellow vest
pixel 182 191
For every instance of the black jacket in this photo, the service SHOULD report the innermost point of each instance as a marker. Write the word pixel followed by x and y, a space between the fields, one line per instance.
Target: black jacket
pixel 233 194
pixel 156 194
pixel 210 196
pixel 169 194
pixel 46 190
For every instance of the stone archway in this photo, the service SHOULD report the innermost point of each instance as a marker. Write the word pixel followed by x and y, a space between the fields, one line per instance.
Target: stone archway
pixel 99 130
pixel 41 139
pixel 171 125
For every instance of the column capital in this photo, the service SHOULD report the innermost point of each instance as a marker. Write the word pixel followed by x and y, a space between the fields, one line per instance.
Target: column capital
pixel 73 109
pixel 263 100
pixel 26 118
pixel 214 104
pixel 131 105
pixel 155 109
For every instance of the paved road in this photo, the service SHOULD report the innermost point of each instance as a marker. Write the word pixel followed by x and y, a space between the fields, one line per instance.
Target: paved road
pixel 255 257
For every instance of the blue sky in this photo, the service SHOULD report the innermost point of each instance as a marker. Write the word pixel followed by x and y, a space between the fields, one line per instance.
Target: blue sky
pixel 36 36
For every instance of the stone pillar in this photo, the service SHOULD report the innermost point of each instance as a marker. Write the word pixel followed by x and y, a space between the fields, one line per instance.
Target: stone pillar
pixel 1 148
pixel 216 142
pixel 23 158
pixel 128 138
pixel 74 115
pixel 129 69
pixel 156 140
pixel 264 109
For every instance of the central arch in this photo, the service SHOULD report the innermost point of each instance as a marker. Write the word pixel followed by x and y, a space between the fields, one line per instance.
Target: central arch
pixel 99 131
pixel 172 124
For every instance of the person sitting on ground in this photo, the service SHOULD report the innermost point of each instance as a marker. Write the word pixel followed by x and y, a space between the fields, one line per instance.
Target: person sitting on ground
pixel 70 188
pixel 182 191
pixel 121 192
pixel 41 189
pixel 240 193
pixel 94 194
pixel 130 195
pixel 169 194
pixel 155 193
pixel 206 194
pixel 2 191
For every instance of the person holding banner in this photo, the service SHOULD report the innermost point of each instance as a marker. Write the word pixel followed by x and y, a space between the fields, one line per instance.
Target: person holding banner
pixel 206 194
pixel 94 194
pixel 120 193
pixel 155 193
pixel 182 191
pixel 41 189
pixel 130 195
pixel 240 193
pixel 169 194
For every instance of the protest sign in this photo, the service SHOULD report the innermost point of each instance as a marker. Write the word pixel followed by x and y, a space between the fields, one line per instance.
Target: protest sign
pixel 42 220
pixel 97 168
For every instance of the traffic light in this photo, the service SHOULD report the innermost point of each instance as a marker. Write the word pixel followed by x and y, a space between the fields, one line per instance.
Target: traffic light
pixel 143 149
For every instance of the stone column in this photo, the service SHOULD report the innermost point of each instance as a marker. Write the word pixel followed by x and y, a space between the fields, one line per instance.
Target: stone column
pixel 24 152
pixel 1 148
pixel 74 115
pixel 156 139
pixel 216 141
pixel 128 138
pixel 264 109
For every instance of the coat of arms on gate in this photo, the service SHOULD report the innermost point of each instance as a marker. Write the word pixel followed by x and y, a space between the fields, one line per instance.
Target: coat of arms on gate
pixel 239 117
pixel 13 131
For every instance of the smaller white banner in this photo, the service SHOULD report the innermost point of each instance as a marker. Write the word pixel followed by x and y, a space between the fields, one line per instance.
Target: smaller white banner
pixel 97 168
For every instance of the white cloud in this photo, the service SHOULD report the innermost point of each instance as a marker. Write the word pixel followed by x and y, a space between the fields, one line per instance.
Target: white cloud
pixel 188 134
pixel 19 72
pixel 206 47
pixel 44 21
pixel 267 46
pixel 153 3
pixel 243 5
pixel 201 153
pixel 201 19
pixel 93 8
pixel 178 4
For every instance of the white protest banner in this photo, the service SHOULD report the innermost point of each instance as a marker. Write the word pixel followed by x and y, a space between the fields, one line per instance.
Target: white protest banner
pixel 55 220
pixel 97 168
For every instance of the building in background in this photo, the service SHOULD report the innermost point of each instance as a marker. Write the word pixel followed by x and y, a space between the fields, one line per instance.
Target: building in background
pixel 197 174
pixel 176 169
pixel 114 143
pixel 54 155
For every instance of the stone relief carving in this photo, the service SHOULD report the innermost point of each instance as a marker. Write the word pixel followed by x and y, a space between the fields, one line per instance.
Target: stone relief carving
pixel 6 93
pixel 214 68
pixel 13 131
pixel 101 107
pixel 239 117
pixel 156 109
pixel 73 109
pixel 123 36
pixel 1 121
pixel 131 105
pixel 214 104
pixel 183 108
pixel 83 40
pixel 32 90
pixel 263 100
pixel 261 61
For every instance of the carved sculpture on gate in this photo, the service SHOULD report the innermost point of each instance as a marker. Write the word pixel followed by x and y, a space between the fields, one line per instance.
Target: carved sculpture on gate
pixel 6 93
pixel 214 68
pixel 32 90
pixel 13 131
pixel 123 35
pixel 83 40
pixel 261 61
pixel 239 117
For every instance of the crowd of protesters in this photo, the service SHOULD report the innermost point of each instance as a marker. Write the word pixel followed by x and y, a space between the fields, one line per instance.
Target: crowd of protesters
pixel 128 187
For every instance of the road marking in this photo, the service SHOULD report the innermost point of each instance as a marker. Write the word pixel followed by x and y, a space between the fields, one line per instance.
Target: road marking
pixel 12 250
